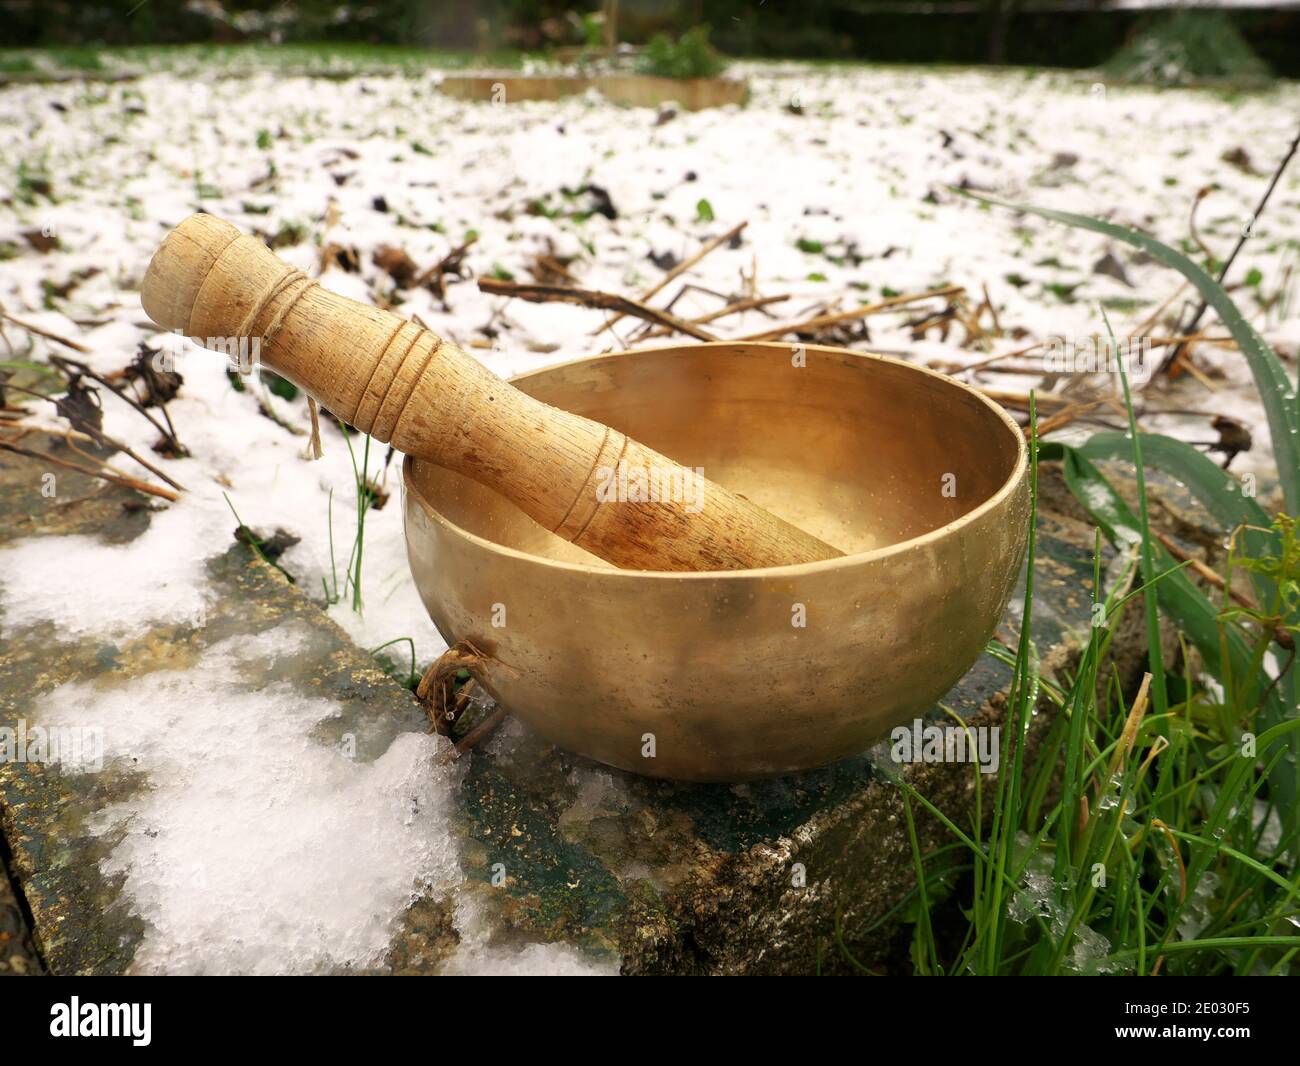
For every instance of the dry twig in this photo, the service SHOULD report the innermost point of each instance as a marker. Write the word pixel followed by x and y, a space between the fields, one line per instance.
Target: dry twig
pixel 606 301
pixel 435 276
pixel 107 475
pixel 45 333
pixel 750 303
pixel 678 270
pixel 838 317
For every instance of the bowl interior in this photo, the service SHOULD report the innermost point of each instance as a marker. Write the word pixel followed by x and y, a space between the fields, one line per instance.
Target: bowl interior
pixel 861 451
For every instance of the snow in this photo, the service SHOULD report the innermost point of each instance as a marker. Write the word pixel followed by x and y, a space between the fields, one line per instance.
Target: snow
pixel 87 587
pixel 476 955
pixel 865 170
pixel 256 847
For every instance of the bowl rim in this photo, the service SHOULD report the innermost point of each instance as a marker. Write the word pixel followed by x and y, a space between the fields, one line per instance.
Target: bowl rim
pixel 1003 492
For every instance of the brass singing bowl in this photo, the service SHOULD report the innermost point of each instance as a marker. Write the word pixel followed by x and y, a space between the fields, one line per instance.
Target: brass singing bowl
pixel 725 676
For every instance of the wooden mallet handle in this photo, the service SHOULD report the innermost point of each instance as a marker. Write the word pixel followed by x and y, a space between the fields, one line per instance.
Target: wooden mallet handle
pixel 403 384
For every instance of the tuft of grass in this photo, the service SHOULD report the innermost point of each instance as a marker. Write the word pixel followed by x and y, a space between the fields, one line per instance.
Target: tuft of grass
pixel 1163 852
pixel 365 497
pixel 1170 843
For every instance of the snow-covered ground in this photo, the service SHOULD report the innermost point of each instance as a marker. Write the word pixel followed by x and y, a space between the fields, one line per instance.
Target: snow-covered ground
pixel 854 161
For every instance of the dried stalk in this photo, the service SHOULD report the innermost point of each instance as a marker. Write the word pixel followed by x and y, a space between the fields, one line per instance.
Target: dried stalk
pixel 750 303
pixel 607 301
pixel 45 333
pixel 450 261
pixel 1177 354
pixel 1021 399
pixel 106 475
pixel 677 271
pixel 822 321
pixel 168 432
pixel 105 441
pixel 1064 417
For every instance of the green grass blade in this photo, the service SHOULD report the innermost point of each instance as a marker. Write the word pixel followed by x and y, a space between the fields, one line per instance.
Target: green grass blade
pixel 1155 661
pixel 1218 492
pixel 1276 390
pixel 1185 604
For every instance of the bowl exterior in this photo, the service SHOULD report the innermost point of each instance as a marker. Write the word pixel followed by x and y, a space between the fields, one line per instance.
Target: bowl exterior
pixel 723 677
pixel 730 676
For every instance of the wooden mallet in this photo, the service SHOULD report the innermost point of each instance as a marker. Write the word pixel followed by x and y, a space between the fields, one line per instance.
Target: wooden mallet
pixel 401 383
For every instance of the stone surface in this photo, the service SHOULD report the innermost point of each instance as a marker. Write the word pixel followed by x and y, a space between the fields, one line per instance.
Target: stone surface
pixel 17 954
pixel 652 876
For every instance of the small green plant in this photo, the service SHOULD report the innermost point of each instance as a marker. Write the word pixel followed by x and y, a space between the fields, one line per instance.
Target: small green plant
pixel 1186 47
pixel 33 183
pixel 1277 619
pixel 593 30
pixel 16 63
pixel 365 498
pixel 408 678
pixel 204 190
pixel 690 56
pixel 279 386
pixel 289 234
pixel 85 58
pixel 256 544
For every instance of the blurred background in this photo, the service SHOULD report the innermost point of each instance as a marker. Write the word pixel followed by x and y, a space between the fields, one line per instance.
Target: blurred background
pixel 1051 33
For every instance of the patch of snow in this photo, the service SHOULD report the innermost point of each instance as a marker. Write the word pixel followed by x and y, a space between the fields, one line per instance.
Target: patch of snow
pixel 478 955
pixel 255 847
pixel 86 586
